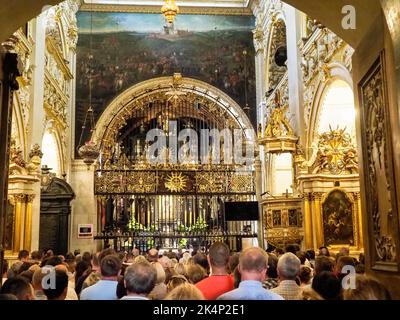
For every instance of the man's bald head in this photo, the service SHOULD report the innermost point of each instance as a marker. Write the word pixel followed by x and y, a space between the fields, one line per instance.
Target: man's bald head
pixel 253 260
pixel 153 255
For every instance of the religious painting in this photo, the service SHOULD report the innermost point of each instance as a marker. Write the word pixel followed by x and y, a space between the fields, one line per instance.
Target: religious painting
pixel 337 211
pixel 276 218
pixel 118 50
pixel 293 217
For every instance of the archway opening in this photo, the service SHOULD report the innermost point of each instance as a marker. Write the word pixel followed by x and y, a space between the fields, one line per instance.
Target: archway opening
pixel 337 109
pixel 51 156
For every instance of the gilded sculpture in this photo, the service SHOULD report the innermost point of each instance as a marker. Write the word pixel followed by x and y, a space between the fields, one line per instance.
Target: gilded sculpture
pixel 336 153
pixel 278 125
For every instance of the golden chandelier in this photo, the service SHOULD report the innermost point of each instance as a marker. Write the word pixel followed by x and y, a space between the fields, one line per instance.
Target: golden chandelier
pixel 170 10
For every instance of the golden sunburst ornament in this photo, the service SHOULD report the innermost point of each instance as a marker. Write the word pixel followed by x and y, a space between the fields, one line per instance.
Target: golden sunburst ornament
pixel 176 182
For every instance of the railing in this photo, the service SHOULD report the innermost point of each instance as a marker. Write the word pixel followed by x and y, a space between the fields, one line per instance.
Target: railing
pixel 146 240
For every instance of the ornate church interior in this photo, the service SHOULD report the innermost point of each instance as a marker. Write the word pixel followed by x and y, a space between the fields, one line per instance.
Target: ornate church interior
pixel 184 133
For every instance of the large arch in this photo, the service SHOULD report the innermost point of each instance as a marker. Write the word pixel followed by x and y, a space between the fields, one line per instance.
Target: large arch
pixel 127 99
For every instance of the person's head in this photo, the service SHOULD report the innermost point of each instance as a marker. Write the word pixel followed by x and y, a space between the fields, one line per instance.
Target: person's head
pixel 310 254
pixel 140 279
pixel 292 248
pixel 24 267
pixel 110 267
pixel 59 291
pixel 165 262
pixel 122 255
pixel 272 271
pixel 13 271
pixel 236 277
pixel 77 252
pixel 253 264
pixel 5 269
pixel 218 256
pixel 38 276
pixel 105 252
pixel 49 253
pixel 324 263
pixel 195 273
pixel 327 285
pixel 288 266
pixel 185 291
pixel 180 268
pixel 233 262
pixel 23 255
pixel 323 251
pixel 152 255
pixel 342 263
pixel 278 252
pixel 95 262
pixel 367 288
pixel 175 281
pixel 87 256
pixel 36 255
pixel 344 251
pixel 159 271
pixel 302 256
pixel 201 259
pixel 52 261
pixel 305 275
pixel 135 252
pixel 19 287
pixel 140 259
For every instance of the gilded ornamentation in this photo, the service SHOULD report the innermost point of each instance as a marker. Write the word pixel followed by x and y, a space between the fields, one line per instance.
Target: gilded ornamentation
pixel 319 50
pixel 241 183
pixel 278 125
pixel 212 182
pixel 176 182
pixel 381 208
pixel 336 153
pixel 141 182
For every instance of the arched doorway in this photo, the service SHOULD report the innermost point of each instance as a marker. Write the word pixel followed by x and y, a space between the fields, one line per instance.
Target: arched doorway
pixel 166 197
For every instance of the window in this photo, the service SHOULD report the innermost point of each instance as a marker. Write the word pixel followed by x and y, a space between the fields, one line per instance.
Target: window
pixel 338 109
pixel 50 157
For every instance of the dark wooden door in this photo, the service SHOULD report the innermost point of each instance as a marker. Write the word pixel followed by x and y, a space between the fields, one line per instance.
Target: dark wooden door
pixel 55 211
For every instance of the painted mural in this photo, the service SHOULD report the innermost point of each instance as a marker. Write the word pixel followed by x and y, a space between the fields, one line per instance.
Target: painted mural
pixel 338 219
pixel 118 50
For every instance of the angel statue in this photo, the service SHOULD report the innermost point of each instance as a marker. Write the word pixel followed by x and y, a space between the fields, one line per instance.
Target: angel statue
pixel 278 124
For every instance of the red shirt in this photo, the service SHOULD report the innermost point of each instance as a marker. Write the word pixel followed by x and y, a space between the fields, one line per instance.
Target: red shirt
pixel 213 286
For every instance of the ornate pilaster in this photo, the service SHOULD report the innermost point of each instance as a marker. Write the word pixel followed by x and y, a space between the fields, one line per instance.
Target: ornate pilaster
pixel 308 223
pixel 318 230
pixel 28 222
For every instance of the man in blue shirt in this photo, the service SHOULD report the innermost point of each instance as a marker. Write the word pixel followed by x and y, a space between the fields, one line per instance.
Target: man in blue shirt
pixel 252 266
pixel 106 288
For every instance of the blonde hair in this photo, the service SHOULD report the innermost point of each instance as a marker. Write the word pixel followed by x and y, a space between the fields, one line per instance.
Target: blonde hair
pixel 160 272
pixel 367 288
pixel 195 273
pixel 175 281
pixel 140 259
pixel 185 291
pixel 180 268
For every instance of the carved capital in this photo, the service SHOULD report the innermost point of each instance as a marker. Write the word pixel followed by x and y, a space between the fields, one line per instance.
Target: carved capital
pixel 29 198
pixel 316 196
pixel 20 197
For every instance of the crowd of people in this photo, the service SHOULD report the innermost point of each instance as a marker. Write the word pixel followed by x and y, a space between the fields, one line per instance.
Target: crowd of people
pixel 218 274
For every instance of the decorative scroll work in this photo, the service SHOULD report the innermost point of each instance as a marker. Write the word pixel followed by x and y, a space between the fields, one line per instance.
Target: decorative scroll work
pixel 132 181
pixel 336 153
pixel 319 51
pixel 379 184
